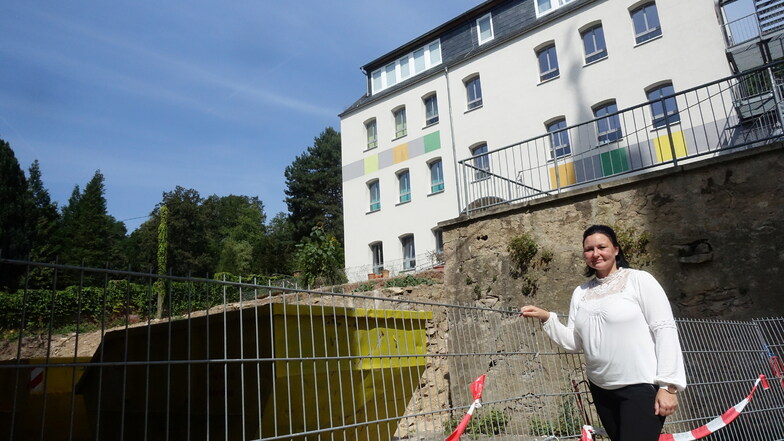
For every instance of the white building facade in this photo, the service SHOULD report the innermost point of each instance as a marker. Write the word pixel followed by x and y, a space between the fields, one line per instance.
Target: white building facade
pixel 500 73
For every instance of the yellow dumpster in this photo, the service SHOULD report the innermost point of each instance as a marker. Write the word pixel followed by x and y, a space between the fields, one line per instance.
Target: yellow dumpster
pixel 261 372
pixel 37 395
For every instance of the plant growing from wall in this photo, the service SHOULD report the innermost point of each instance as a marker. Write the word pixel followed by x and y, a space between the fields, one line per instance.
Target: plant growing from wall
pixel 523 251
pixel 492 422
pixel 634 245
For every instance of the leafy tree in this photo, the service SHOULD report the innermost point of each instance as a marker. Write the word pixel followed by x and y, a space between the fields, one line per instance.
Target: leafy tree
pixel 320 259
pixel 236 227
pixel 15 210
pixel 163 247
pixel 277 251
pixel 314 187
pixel 187 229
pixel 88 233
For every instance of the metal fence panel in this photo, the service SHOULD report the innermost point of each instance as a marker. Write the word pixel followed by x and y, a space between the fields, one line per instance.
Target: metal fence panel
pixel 239 360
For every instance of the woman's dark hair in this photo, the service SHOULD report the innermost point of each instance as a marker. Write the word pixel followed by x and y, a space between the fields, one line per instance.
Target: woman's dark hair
pixel 620 259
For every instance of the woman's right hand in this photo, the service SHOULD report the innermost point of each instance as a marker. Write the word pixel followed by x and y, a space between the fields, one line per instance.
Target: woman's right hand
pixel 536 312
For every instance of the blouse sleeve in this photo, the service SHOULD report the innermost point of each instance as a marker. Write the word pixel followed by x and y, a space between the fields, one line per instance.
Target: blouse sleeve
pixel 564 336
pixel 658 313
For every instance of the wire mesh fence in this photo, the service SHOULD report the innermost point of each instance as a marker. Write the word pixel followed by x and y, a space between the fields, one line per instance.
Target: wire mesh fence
pixel 245 361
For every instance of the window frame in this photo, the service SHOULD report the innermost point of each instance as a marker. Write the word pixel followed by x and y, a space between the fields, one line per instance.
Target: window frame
pixel 377 256
pixel 552 72
pixel 597 54
pixel 438 237
pixel 556 127
pixel 371 144
pixel 409 252
pixel 374 192
pixel 409 65
pixel 431 118
pixel 489 18
pixel 554 6
pixel 437 184
pixel 667 115
pixel 473 85
pixel 481 161
pixel 401 126
pixel 404 186
pixel 649 33
pixel 612 117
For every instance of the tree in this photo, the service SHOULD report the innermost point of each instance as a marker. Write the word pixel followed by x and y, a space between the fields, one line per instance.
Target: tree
pixel 320 259
pixel 163 247
pixel 88 234
pixel 45 217
pixel 187 230
pixel 15 210
pixel 277 251
pixel 314 187
pixel 236 227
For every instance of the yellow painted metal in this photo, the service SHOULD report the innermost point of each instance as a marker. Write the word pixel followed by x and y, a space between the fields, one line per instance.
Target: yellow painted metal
pixel 265 371
pixel 38 395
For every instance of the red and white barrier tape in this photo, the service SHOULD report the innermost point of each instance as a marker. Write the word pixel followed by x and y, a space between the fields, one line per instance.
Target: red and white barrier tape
pixel 476 390
pixel 700 432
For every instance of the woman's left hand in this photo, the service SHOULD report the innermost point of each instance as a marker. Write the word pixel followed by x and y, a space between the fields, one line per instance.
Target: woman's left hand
pixel 666 403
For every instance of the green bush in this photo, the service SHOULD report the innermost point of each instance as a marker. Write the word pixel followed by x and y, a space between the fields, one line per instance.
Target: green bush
pixel 492 422
pixel 408 280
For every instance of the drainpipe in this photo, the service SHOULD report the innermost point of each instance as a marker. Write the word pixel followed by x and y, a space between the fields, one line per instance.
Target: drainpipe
pixel 452 135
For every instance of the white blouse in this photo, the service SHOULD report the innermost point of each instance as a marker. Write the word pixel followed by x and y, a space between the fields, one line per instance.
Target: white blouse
pixel 624 326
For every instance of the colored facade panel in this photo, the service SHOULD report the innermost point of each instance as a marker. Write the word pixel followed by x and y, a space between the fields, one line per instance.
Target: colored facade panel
pixel 371 164
pixel 565 175
pixel 390 157
pixel 432 141
pixel 399 153
pixel 664 148
pixel 588 169
pixel 615 161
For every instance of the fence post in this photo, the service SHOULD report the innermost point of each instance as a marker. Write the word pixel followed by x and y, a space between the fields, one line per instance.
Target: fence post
pixel 776 96
pixel 669 132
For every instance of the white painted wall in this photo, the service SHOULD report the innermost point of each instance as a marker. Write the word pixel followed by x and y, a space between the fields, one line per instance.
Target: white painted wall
pixel 515 107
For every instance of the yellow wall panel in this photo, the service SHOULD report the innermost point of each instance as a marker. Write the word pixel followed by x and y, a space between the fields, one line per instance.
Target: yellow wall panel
pixel 663 149
pixel 371 164
pixel 565 175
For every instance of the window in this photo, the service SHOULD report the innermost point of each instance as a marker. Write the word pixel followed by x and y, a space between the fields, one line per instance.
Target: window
pixel 547 6
pixel 609 124
pixel 410 64
pixel 594 45
pixel 664 108
pixel 431 109
pixel 375 196
pixel 484 28
pixel 377 251
pixel 474 92
pixel 409 255
pixel 559 138
pixel 372 135
pixel 436 176
pixel 646 23
pixel 400 122
pixel 481 162
pixel 404 184
pixel 548 63
pixel 438 235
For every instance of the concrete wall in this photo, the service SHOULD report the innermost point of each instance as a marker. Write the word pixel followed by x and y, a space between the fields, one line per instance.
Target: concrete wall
pixel 716 239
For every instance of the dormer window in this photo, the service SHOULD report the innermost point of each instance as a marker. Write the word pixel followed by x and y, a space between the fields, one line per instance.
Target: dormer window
pixel 484 29
pixel 407 66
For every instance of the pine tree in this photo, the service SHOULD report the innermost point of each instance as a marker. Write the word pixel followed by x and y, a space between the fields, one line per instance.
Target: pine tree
pixel 16 208
pixel 314 187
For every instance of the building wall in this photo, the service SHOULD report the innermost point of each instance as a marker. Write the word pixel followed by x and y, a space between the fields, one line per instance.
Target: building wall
pixel 713 228
pixel 516 104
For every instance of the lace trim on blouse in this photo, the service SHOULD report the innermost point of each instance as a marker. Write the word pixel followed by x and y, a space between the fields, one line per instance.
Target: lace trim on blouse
pixel 613 284
pixel 662 324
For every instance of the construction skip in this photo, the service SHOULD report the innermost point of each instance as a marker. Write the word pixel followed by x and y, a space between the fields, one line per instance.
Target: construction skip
pixel 250 361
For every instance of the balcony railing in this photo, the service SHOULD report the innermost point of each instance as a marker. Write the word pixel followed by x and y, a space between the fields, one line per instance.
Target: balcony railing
pixel 742 30
pixel 733 113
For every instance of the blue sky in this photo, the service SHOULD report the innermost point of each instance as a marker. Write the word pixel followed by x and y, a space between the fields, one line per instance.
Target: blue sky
pixel 215 96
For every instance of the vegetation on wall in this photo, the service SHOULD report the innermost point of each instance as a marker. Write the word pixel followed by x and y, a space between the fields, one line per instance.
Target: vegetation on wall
pixel 528 259
pixel 634 244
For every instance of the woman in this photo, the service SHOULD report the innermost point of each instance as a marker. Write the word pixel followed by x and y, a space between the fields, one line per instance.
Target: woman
pixel 621 320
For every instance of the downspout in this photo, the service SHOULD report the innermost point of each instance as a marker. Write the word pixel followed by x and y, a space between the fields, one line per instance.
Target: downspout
pixel 452 135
